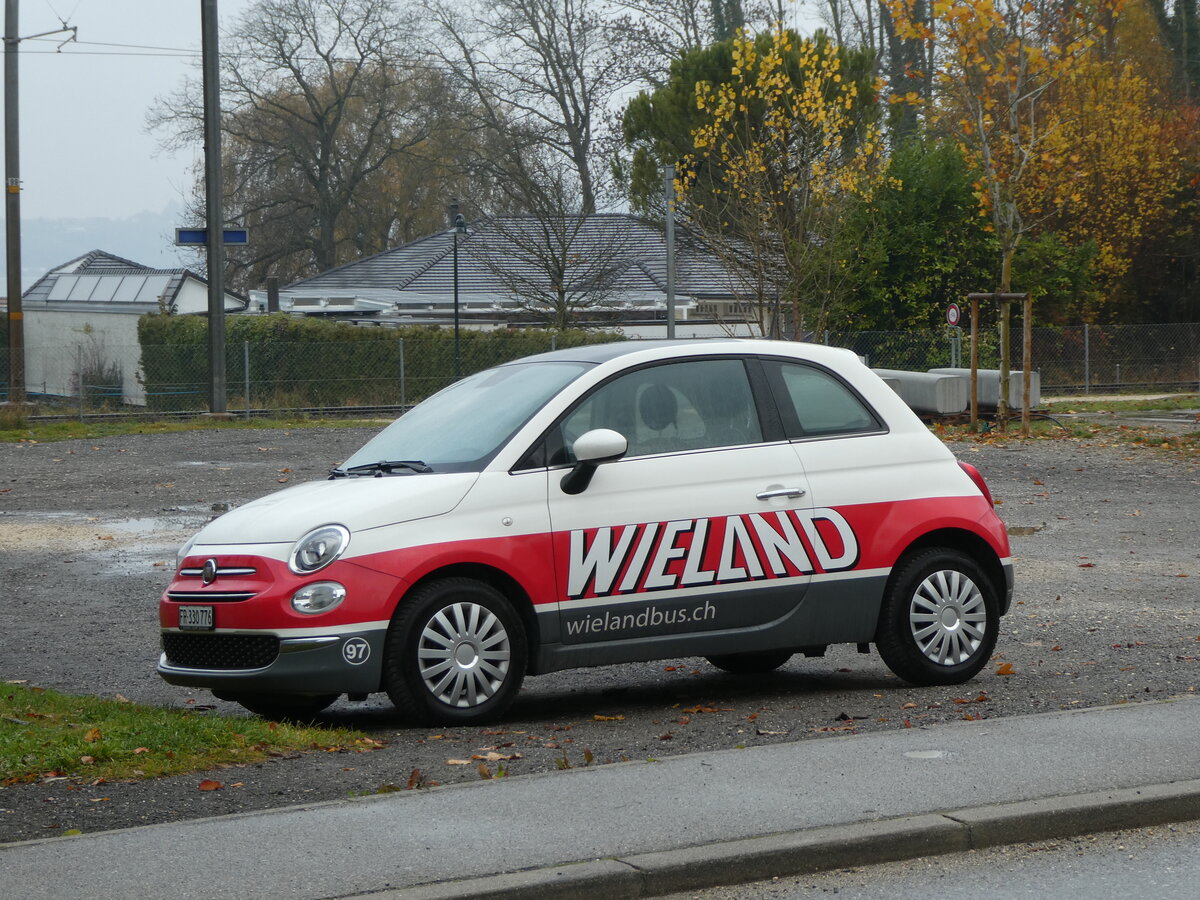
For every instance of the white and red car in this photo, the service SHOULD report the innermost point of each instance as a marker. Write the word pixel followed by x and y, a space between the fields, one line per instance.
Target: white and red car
pixel 737 500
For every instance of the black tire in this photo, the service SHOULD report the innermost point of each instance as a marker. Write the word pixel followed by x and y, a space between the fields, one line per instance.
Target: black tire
pixel 456 653
pixel 939 619
pixel 283 707
pixel 751 663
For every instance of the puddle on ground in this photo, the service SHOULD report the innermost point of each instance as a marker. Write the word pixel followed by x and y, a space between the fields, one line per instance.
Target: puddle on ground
pixel 155 537
pixel 1024 530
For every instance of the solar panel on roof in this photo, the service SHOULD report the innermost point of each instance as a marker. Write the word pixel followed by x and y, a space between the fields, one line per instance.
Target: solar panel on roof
pixel 62 287
pixel 127 291
pixel 84 287
pixel 105 289
pixel 155 287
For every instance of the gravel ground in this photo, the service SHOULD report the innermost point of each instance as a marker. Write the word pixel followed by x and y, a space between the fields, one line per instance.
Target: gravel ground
pixel 1107 611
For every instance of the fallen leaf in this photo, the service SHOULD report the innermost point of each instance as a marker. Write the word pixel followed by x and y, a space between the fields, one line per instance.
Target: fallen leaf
pixel 909 706
pixel 458 762
pixel 484 771
pixel 209 785
pixel 414 779
pixel 87 760
pixel 608 718
pixel 1004 669
pixel 496 757
pixel 139 750
pixel 93 735
pixel 1087 565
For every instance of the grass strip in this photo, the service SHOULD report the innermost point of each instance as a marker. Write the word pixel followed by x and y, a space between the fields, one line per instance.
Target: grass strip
pixel 1101 435
pixel 17 430
pixel 1114 403
pixel 46 734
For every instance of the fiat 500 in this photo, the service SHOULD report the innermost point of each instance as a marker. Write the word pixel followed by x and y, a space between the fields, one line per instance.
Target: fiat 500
pixel 741 501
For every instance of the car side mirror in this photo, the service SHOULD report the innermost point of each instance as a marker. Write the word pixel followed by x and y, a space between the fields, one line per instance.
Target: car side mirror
pixel 600 445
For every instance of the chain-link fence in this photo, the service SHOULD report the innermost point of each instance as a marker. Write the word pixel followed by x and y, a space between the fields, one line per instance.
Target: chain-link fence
pixel 1073 359
pixel 389 375
pixel 260 377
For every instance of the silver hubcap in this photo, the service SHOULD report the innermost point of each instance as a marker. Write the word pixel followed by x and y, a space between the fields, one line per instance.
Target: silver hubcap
pixel 948 617
pixel 463 655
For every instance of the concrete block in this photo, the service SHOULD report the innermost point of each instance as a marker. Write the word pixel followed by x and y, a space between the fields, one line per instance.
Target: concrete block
pixel 929 393
pixel 989 387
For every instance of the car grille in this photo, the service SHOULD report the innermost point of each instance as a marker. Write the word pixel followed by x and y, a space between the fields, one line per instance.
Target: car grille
pixel 220 651
pixel 209 596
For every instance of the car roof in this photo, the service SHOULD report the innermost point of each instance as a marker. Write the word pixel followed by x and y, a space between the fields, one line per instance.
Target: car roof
pixel 602 353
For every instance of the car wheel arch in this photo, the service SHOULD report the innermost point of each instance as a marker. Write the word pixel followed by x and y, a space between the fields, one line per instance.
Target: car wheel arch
pixel 964 541
pixel 496 578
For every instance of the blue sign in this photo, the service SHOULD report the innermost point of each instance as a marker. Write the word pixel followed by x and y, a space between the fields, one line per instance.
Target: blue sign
pixel 193 237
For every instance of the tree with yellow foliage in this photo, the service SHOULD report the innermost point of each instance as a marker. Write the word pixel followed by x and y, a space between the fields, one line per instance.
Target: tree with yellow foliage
pixel 998 66
pixel 779 148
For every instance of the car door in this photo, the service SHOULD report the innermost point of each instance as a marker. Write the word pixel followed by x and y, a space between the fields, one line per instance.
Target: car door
pixel 854 467
pixel 693 530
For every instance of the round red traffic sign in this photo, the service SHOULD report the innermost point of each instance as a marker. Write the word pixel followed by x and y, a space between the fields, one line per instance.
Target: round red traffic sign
pixel 953 314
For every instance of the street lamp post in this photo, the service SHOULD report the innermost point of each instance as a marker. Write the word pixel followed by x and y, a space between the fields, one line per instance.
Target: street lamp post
pixel 460 227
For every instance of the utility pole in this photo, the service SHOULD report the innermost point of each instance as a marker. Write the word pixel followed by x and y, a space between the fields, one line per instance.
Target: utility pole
pixel 213 202
pixel 669 197
pixel 12 196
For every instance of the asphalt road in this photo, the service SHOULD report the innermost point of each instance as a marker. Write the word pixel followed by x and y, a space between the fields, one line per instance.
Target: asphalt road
pixel 1108 583
pixel 1162 863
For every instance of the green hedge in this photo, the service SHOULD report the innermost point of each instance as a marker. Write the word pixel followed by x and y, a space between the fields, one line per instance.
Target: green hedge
pixel 300 362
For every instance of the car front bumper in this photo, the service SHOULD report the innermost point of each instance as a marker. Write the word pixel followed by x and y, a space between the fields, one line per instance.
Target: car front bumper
pixel 243 662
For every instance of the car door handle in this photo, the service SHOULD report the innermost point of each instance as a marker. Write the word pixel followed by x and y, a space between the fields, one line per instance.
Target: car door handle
pixel 780 492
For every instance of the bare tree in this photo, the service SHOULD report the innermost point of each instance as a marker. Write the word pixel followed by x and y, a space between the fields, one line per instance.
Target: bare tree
pixel 541 75
pixel 556 266
pixel 326 114
pixel 650 34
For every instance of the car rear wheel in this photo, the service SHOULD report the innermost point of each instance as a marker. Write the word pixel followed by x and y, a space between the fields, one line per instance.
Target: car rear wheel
pixel 751 663
pixel 283 706
pixel 456 653
pixel 939 619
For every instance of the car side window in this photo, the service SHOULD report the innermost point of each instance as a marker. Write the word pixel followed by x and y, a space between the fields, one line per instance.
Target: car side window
pixel 816 404
pixel 692 405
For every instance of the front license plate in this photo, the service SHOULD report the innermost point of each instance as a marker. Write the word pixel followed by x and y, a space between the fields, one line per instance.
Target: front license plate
pixel 196 618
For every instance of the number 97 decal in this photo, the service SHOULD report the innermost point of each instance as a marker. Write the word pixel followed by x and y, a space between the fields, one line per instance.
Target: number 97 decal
pixel 356 651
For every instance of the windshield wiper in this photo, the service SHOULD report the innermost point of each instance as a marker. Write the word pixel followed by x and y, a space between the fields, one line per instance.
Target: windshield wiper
pixel 379 468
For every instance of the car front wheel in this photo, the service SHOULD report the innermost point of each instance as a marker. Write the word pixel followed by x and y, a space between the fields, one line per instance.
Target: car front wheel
pixel 939 619
pixel 456 653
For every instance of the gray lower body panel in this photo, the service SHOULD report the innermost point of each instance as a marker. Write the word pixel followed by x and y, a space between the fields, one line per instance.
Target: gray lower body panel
pixel 828 612
pixel 310 665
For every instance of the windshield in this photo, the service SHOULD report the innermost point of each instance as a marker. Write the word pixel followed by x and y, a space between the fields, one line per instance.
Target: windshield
pixel 461 428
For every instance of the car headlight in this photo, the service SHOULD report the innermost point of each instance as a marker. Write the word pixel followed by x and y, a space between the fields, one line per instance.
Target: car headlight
pixel 318 598
pixel 318 548
pixel 183 552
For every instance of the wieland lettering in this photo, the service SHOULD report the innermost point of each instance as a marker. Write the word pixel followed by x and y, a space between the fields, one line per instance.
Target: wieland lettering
pixel 657 556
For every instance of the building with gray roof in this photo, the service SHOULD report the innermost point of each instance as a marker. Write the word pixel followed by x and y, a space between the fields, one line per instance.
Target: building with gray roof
pixel 80 321
pixel 608 269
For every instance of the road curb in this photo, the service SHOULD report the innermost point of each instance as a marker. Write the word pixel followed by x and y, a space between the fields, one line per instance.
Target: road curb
pixel 831 847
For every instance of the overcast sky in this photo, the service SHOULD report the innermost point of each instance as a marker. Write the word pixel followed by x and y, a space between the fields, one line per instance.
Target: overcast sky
pixel 84 147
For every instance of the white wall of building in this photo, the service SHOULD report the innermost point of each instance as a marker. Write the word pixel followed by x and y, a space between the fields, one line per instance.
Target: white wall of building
pixel 59 345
